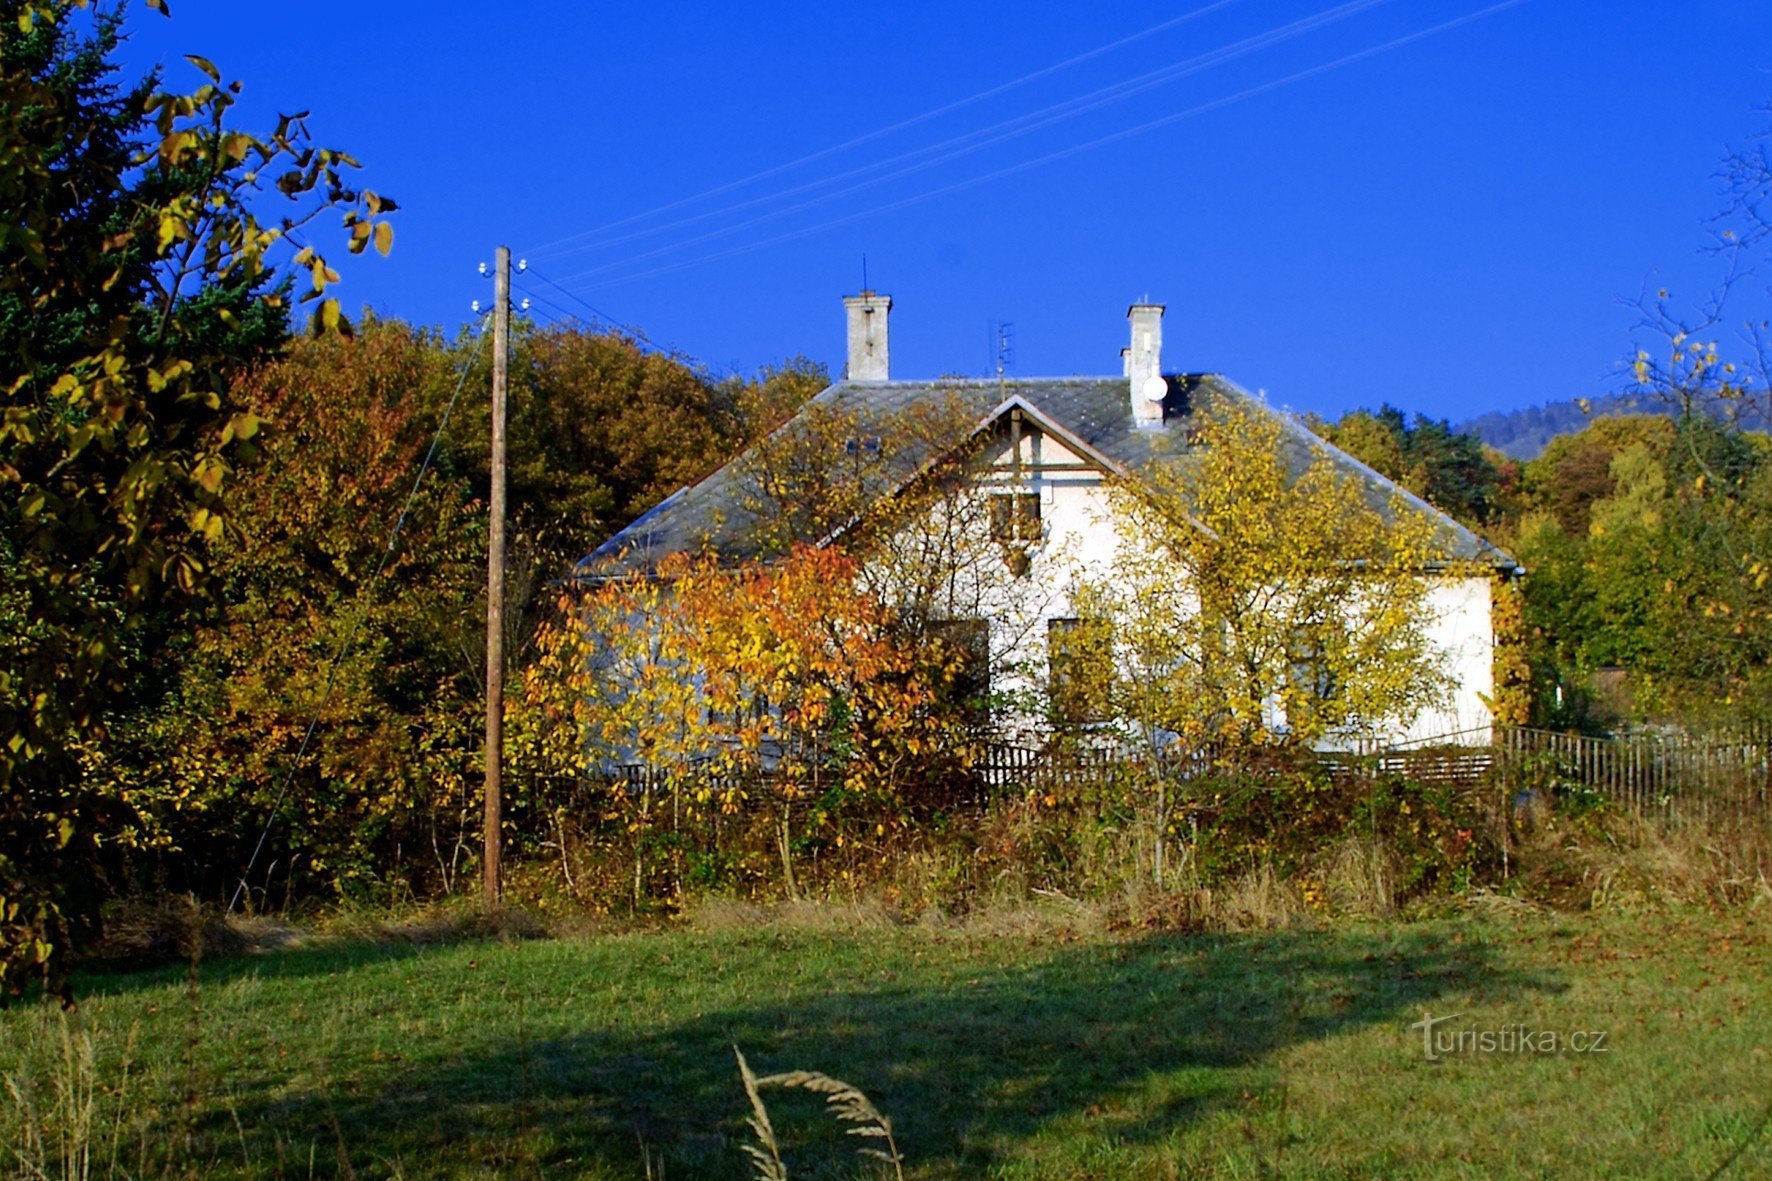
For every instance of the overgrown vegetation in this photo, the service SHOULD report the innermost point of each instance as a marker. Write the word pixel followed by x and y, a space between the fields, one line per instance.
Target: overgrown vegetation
pixel 142 270
pixel 385 803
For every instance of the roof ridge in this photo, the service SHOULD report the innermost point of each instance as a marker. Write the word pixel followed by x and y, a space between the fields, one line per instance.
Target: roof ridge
pixel 982 382
pixel 1090 411
pixel 1293 423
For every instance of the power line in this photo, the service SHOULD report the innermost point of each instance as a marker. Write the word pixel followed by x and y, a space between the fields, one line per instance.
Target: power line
pixel 350 639
pixel 561 317
pixel 1064 152
pixel 885 131
pixel 961 145
pixel 638 336
pixel 584 303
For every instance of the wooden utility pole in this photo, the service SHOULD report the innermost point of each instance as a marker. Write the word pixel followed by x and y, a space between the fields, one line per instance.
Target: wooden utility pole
pixel 495 579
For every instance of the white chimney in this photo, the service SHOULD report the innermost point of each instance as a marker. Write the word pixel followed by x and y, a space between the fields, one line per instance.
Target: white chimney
pixel 1144 364
pixel 868 358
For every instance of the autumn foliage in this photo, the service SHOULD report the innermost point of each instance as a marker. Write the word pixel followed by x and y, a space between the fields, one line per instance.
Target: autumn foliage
pixel 146 257
pixel 778 691
pixel 1256 606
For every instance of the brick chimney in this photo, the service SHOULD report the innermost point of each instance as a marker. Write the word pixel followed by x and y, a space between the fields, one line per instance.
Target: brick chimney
pixel 1144 364
pixel 868 359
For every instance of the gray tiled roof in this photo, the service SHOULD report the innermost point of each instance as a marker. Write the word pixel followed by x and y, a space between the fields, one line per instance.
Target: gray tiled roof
pixel 1097 410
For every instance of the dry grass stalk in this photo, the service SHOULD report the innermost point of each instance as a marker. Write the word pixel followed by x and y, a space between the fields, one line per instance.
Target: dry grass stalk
pixel 846 1103
pixel 1259 900
pixel 59 1138
pixel 716 913
pixel 1358 879
pixel 766 1153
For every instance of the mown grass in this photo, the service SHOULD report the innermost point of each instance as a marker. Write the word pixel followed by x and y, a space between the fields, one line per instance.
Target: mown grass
pixel 1034 1052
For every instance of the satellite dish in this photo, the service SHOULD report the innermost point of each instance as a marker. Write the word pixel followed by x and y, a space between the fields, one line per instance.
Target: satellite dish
pixel 1154 389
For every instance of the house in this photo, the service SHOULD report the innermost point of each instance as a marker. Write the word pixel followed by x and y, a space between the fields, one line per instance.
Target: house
pixel 1041 453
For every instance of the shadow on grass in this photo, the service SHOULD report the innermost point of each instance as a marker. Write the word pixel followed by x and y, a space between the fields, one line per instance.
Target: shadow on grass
pixel 273 949
pixel 1138 1038
pixel 122 976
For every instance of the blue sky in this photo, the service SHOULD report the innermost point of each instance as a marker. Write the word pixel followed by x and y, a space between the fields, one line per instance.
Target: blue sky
pixel 1448 224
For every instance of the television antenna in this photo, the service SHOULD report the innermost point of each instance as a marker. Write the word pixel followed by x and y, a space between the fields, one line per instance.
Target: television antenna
pixel 1005 349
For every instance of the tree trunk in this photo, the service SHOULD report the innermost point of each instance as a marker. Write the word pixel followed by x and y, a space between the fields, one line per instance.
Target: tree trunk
pixel 787 855
pixel 1162 822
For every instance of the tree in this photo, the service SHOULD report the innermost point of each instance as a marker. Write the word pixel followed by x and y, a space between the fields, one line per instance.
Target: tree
pixel 905 490
pixel 1448 468
pixel 786 676
pixel 1674 557
pixel 1575 470
pixel 1680 355
pixel 600 430
pixel 1645 544
pixel 383 793
pixel 610 689
pixel 136 277
pixel 1257 606
pixel 386 795
pixel 607 430
pixel 835 468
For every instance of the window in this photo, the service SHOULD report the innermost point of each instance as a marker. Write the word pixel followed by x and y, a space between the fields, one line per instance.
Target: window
pixel 967 643
pixel 1310 673
pixel 1015 516
pixel 864 446
pixel 1079 666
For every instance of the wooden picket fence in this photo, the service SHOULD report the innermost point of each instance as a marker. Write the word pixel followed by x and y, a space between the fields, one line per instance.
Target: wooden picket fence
pixel 1007 768
pixel 1668 775
pixel 1664 774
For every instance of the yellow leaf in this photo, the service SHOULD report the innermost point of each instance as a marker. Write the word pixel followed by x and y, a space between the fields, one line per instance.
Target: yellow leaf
pixel 384 238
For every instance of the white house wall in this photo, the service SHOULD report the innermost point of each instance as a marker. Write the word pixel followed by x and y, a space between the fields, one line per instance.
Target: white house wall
pixel 1080 536
pixel 1464 631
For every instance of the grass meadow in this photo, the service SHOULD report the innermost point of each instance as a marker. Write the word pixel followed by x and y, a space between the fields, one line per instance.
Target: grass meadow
pixel 1021 1047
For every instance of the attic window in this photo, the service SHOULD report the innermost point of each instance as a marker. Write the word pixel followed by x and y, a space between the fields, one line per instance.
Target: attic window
pixel 1015 516
pixel 867 446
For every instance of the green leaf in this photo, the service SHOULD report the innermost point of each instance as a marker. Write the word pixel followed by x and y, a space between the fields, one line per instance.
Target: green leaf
pixel 204 64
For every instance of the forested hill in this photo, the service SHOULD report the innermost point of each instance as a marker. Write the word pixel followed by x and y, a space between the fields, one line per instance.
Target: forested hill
pixel 1524 433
